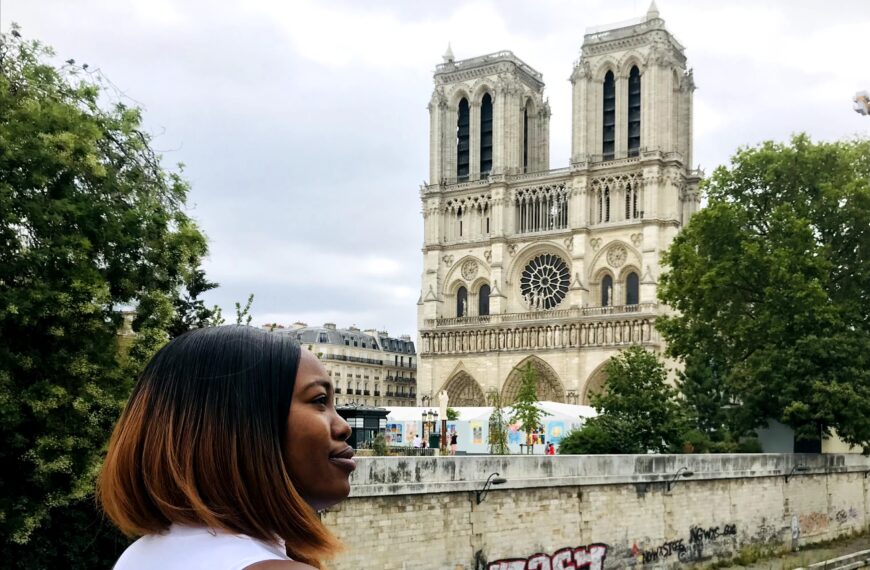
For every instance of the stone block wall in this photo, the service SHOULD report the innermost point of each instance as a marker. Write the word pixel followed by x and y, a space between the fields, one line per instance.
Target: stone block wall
pixel 595 512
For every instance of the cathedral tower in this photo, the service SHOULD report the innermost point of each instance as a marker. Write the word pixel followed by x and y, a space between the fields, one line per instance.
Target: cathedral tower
pixel 556 268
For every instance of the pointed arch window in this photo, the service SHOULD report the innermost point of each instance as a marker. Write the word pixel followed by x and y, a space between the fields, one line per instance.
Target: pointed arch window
pixel 462 302
pixel 606 291
pixel 634 112
pixel 486 135
pixel 526 137
pixel 609 117
pixel 483 300
pixel 632 289
pixel 463 123
pixel 606 204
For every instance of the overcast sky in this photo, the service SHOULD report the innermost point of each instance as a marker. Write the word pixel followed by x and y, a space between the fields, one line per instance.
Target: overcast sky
pixel 304 130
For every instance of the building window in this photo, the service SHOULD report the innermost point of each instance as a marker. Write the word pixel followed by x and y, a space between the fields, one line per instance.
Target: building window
pixel 609 118
pixel 462 141
pixel 634 112
pixel 632 289
pixel 606 204
pixel 526 138
pixel 483 300
pixel 486 135
pixel 462 302
pixel 606 290
pixel 322 337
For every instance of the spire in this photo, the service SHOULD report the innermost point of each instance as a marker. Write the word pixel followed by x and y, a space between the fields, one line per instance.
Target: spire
pixel 448 55
pixel 653 11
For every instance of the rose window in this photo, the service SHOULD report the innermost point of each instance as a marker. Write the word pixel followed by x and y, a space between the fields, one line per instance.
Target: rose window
pixel 544 282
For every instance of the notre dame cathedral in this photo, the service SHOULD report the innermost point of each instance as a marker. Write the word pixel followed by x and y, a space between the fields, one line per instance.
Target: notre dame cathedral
pixel 557 268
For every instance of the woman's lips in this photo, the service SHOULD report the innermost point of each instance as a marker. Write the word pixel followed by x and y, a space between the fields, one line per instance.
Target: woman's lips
pixel 344 459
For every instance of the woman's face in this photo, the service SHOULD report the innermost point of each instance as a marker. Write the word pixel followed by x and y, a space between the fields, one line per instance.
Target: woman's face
pixel 320 460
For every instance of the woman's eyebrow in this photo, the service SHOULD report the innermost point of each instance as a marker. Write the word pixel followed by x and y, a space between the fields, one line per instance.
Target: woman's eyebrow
pixel 320 382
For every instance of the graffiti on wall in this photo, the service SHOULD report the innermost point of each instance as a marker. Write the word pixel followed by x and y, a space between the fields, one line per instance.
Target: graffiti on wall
pixel 681 549
pixel 813 523
pixel 843 516
pixel 590 557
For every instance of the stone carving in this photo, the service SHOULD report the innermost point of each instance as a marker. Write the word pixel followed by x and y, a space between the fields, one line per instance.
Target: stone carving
pixel 617 255
pixel 512 248
pixel 595 243
pixel 637 239
pixel 448 260
pixel 487 255
pixel 469 269
pixel 569 243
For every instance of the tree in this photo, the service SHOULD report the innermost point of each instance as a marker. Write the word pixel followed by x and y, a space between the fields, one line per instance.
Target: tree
pixel 498 427
pixel 638 412
pixel 525 407
pixel 452 414
pixel 90 224
pixel 771 283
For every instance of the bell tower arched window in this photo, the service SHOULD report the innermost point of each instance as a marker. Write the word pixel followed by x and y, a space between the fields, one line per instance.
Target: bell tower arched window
pixel 462 302
pixel 486 135
pixel 526 139
pixel 632 289
pixel 609 117
pixel 483 300
pixel 634 112
pixel 606 291
pixel 463 123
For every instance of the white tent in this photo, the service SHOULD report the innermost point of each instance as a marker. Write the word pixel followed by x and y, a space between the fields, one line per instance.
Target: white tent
pixel 472 427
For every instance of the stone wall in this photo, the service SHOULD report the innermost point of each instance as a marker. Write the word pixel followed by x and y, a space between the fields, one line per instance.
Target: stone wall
pixel 568 512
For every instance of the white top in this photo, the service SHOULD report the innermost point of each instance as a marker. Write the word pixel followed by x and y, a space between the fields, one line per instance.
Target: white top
pixel 195 548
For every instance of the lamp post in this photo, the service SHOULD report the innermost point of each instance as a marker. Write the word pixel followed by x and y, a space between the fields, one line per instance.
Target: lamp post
pixel 443 399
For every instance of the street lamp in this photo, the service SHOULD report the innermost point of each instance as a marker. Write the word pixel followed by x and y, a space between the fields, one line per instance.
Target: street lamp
pixel 493 479
pixel 682 471
pixel 799 468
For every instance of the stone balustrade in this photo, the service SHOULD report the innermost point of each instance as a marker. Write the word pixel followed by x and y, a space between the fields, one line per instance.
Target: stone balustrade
pixel 556 329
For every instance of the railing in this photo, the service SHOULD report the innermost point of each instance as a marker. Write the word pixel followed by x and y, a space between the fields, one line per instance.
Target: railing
pixel 377 393
pixel 574 313
pixel 366 393
pixel 343 358
pixel 463 64
pixel 400 379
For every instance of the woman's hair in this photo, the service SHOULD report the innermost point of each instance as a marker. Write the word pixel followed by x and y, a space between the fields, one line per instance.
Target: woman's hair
pixel 202 441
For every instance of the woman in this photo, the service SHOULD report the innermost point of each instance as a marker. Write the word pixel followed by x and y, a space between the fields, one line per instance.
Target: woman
pixel 228 446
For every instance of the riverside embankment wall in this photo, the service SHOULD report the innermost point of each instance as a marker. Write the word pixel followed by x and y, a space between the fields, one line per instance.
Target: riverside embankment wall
pixel 567 512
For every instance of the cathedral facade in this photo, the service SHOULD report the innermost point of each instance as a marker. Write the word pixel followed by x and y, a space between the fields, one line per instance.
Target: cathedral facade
pixel 557 268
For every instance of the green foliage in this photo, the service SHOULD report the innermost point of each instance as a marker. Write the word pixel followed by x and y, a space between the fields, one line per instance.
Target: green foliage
pixel 525 407
pixel 379 445
pixel 771 286
pixel 243 314
pixel 90 224
pixel 452 415
pixel 498 426
pixel 637 413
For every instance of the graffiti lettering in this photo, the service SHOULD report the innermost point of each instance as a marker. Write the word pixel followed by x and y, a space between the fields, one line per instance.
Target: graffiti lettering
pixel 698 535
pixel 813 523
pixel 664 551
pixel 589 557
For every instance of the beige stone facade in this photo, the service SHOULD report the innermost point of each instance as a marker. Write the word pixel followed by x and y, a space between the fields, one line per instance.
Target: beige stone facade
pixel 368 368
pixel 554 267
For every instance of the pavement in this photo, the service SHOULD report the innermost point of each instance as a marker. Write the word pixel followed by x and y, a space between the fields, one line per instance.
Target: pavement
pixel 810 555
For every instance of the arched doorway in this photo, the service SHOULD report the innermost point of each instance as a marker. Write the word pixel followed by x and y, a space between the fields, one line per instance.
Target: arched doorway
pixel 550 388
pixel 595 384
pixel 463 390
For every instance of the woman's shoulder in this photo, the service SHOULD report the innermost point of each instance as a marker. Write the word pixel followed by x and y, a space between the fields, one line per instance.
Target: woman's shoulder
pixel 176 548
pixel 279 565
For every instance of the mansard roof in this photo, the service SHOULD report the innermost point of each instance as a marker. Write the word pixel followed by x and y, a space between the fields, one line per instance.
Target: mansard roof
pixel 329 334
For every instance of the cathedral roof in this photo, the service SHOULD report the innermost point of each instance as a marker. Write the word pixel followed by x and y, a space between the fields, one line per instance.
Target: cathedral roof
pixel 463 66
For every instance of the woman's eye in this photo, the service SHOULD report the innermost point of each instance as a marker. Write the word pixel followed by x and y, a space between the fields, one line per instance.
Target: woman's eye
pixel 323 400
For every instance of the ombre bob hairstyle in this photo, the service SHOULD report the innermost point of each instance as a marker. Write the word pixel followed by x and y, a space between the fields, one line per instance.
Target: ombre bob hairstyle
pixel 203 440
